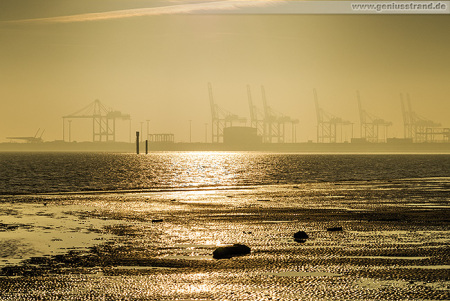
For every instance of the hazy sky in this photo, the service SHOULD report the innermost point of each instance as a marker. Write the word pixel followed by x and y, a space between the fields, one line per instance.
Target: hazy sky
pixel 156 66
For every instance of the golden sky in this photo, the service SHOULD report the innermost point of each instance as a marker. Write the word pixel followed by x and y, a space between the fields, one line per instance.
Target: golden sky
pixel 139 58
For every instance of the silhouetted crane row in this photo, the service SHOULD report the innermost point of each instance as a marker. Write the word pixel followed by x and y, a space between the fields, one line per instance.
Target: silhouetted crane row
pixel 370 125
pixel 220 118
pixel 103 120
pixel 328 125
pixel 418 128
pixel 274 123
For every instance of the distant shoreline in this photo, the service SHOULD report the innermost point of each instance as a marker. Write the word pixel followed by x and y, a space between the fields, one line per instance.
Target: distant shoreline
pixel 306 147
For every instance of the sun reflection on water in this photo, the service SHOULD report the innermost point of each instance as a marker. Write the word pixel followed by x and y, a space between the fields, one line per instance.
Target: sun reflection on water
pixel 200 169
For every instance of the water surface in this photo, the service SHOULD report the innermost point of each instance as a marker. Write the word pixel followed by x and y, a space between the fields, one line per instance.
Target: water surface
pixel 25 173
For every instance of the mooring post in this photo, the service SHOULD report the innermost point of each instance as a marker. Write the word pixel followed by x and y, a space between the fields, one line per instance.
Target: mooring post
pixel 146 146
pixel 137 143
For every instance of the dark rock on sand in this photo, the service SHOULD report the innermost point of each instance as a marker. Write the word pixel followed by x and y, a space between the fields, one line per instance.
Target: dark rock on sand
pixel 300 236
pixel 334 229
pixel 157 220
pixel 231 251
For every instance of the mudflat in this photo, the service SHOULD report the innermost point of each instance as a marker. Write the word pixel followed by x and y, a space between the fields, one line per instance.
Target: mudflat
pixel 394 243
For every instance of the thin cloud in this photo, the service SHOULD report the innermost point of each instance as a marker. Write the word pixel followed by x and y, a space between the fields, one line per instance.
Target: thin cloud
pixel 204 7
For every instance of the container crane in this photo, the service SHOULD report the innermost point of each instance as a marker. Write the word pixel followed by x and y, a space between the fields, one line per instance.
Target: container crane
pixel 328 125
pixel 418 128
pixel 275 123
pixel 221 118
pixel 103 120
pixel 370 125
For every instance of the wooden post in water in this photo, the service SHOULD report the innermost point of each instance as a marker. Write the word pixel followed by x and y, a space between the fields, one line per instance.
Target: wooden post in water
pixel 146 146
pixel 137 143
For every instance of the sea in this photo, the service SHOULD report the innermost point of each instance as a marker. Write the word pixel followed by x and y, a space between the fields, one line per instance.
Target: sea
pixel 43 173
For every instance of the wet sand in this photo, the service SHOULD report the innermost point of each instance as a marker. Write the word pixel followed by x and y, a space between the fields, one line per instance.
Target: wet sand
pixel 395 243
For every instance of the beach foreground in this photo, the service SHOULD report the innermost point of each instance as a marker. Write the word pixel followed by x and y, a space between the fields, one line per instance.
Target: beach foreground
pixel 394 243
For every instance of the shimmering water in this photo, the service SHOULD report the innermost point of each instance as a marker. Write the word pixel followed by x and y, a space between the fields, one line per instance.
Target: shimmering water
pixel 25 173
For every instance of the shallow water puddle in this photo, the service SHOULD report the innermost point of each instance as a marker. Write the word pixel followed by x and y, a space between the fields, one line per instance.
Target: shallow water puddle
pixel 303 274
pixel 52 230
pixel 136 267
pixel 388 257
pixel 188 257
pixel 430 267
pixel 428 205
pixel 195 246
pixel 370 283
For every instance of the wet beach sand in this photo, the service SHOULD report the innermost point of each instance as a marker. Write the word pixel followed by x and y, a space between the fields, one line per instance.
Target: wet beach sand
pixel 141 245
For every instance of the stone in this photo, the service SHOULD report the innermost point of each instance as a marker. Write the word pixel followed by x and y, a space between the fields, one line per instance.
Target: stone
pixel 231 251
pixel 300 236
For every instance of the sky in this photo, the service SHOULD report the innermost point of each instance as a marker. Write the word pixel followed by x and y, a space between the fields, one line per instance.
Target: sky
pixel 144 58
